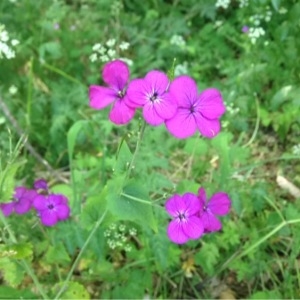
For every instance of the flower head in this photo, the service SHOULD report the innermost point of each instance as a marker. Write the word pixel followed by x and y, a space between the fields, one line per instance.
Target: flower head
pixel 219 204
pixel 245 29
pixel 116 76
pixel 195 111
pixel 150 94
pixel 41 184
pixel 52 208
pixel 186 224
pixel 22 201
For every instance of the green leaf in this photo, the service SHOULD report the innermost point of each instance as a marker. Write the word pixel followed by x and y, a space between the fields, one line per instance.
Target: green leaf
pixel 7 181
pixel 23 250
pixel 93 210
pixel 12 272
pixel 57 254
pixel 130 203
pixel 11 293
pixel 207 258
pixel 276 4
pixel 124 158
pixel 72 136
pixel 75 291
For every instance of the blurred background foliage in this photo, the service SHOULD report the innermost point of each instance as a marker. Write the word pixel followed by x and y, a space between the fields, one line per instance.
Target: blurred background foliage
pixel 258 73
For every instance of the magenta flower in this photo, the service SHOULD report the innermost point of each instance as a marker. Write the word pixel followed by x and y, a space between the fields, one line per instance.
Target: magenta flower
pixel 22 202
pixel 41 184
pixel 116 75
pixel 219 204
pixel 185 224
pixel 195 111
pixel 150 94
pixel 52 208
pixel 245 29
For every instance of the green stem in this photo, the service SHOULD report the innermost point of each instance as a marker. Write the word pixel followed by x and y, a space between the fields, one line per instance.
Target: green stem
pixel 267 236
pixel 139 200
pixel 23 261
pixel 137 147
pixel 256 124
pixel 62 73
pixel 29 93
pixel 62 289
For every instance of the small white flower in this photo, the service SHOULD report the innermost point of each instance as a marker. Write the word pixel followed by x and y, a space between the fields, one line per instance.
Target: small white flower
pixel 296 149
pixel 128 61
pixel 97 47
pixel 110 43
pixel 124 46
pixel 15 42
pixel 181 69
pixel 222 3
pixel 132 231
pixel 282 10
pixel 128 248
pixel 104 58
pixel 4 36
pixel 93 57
pixel 177 40
pixel 122 227
pixel 111 53
pixel 13 90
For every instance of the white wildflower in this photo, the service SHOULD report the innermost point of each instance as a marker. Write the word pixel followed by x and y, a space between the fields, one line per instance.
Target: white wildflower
pixel 282 10
pixel 97 47
pixel 222 3
pixel 13 90
pixel 128 61
pixel 296 149
pixel 181 69
pixel 124 46
pixel 93 57
pixel 104 58
pixel 111 53
pixel 177 40
pixel 110 43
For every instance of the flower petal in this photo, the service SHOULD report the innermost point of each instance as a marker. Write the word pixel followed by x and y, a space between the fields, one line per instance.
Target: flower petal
pixel 150 115
pixel 23 206
pixel 101 97
pixel 210 222
pixel 208 128
pixel 137 92
pixel 63 212
pixel 183 124
pixel 40 184
pixel 121 113
pixel 48 217
pixel 7 208
pixel 191 204
pixel 158 82
pixel 184 88
pixel 40 202
pixel 116 74
pixel 193 228
pixel 166 106
pixel 19 192
pixel 202 196
pixel 175 233
pixel 211 104
pixel 174 205
pixel 219 204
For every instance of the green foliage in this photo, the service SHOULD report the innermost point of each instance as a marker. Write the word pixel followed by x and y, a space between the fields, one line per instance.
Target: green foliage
pixel 96 165
pixel 75 290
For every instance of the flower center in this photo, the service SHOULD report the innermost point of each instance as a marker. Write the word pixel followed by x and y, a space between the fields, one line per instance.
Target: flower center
pixel 121 94
pixel 192 109
pixel 181 216
pixel 153 97
pixel 50 206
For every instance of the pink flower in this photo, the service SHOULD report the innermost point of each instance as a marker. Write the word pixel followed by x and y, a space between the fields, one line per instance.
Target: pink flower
pixel 41 185
pixel 22 202
pixel 195 111
pixel 150 94
pixel 52 208
pixel 185 224
pixel 116 75
pixel 219 204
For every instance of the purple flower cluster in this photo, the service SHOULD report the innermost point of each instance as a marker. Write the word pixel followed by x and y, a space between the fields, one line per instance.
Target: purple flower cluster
pixel 178 104
pixel 193 215
pixel 51 208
